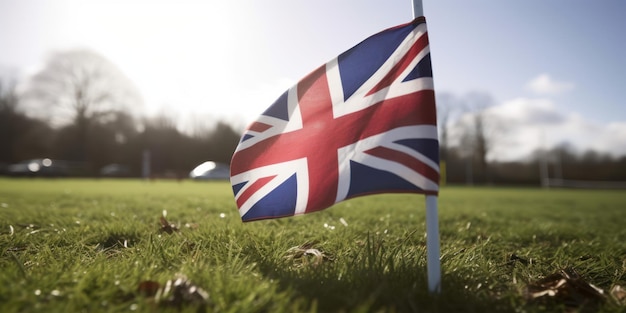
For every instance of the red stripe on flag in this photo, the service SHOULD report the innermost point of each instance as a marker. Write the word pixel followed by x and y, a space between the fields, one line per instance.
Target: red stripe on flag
pixel 403 158
pixel 418 46
pixel 259 127
pixel 253 189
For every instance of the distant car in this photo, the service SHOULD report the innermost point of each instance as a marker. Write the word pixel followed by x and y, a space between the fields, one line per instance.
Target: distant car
pixel 115 170
pixel 39 167
pixel 210 170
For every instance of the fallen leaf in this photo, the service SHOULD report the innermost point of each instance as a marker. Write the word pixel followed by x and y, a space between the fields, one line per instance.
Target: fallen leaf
pixel 305 254
pixel 175 292
pixel 619 294
pixel 148 288
pixel 180 291
pixel 515 259
pixel 566 287
pixel 167 226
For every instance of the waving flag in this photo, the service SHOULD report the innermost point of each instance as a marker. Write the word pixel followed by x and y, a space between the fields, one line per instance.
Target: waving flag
pixel 363 123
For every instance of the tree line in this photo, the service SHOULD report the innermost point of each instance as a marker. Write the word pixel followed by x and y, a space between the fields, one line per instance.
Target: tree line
pixel 560 163
pixel 79 107
pixel 476 135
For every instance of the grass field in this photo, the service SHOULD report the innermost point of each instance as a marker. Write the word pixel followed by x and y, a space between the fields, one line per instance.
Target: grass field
pixel 95 245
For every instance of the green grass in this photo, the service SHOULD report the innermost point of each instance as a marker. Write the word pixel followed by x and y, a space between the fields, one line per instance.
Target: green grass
pixel 73 259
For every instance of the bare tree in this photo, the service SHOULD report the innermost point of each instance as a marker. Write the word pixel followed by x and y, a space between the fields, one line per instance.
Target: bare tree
pixel 78 88
pixel 224 141
pixel 21 137
pixel 8 114
pixel 8 97
pixel 79 85
pixel 448 109
pixel 475 134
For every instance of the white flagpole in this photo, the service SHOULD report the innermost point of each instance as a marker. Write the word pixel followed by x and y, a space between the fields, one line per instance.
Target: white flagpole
pixel 432 216
pixel 418 10
pixel 432 245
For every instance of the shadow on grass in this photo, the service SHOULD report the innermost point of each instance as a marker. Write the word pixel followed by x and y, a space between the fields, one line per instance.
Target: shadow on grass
pixel 403 291
pixel 375 281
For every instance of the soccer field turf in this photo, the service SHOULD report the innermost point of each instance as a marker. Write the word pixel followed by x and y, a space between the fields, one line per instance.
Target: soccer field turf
pixel 71 245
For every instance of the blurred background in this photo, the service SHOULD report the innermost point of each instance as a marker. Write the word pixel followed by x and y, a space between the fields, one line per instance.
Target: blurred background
pixel 527 93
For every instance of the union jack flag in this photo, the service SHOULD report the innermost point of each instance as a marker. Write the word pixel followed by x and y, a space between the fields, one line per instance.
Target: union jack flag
pixel 363 123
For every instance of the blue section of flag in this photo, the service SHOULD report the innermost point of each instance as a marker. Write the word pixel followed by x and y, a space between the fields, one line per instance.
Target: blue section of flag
pixel 425 146
pixel 423 69
pixel 363 60
pixel 238 187
pixel 280 202
pixel 280 108
pixel 367 180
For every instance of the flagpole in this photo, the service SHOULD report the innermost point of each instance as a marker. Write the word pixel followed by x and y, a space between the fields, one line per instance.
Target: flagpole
pixel 432 216
pixel 418 10
pixel 432 245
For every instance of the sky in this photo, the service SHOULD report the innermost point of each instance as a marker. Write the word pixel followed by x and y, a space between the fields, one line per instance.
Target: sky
pixel 554 70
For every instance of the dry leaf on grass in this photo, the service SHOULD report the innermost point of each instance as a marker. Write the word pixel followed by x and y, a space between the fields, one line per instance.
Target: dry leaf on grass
pixel 305 254
pixel 566 287
pixel 514 258
pixel 619 294
pixel 175 292
pixel 167 226
pixel 148 288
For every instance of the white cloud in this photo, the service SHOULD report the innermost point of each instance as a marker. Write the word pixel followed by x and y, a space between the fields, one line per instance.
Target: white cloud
pixel 544 84
pixel 528 112
pixel 611 137
pixel 520 126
